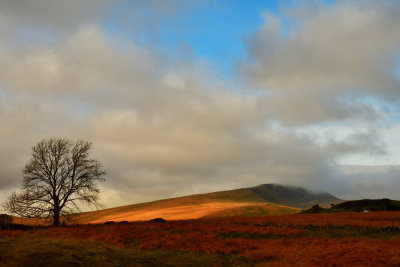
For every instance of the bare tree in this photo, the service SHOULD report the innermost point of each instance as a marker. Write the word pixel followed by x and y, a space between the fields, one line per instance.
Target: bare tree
pixel 59 175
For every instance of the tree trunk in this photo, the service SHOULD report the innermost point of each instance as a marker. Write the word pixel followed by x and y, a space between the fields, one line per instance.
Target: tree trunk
pixel 56 217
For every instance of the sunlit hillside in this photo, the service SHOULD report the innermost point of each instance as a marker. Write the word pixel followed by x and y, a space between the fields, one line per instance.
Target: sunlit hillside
pixel 266 199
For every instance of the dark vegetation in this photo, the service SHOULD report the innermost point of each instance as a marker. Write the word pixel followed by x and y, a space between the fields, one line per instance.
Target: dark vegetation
pixel 363 205
pixel 5 219
pixel 368 205
pixel 30 249
pixel 158 220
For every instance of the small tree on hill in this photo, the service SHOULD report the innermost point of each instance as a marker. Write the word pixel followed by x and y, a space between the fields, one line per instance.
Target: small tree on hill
pixel 59 175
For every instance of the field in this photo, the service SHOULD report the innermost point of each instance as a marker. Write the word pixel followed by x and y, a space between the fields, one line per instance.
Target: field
pixel 329 239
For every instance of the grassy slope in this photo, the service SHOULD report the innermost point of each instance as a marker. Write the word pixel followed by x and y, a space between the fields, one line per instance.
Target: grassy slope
pixel 260 209
pixel 268 199
pixel 225 203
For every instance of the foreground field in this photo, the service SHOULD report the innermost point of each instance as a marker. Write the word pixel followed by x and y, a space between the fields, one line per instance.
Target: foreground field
pixel 341 239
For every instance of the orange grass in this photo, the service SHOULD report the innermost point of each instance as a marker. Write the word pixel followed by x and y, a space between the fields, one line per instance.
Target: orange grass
pixel 31 221
pixel 176 210
pixel 8 233
pixel 277 240
pixel 368 219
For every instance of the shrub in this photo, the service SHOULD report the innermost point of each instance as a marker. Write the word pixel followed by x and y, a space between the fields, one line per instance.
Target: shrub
pixel 5 219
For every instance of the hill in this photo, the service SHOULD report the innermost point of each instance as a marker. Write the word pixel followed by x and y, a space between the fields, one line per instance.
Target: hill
pixel 267 199
pixel 292 196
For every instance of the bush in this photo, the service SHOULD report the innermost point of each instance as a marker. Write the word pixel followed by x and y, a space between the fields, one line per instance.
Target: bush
pixel 5 219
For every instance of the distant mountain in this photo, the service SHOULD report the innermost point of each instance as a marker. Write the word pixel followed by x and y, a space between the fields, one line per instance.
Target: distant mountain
pixel 267 199
pixel 292 196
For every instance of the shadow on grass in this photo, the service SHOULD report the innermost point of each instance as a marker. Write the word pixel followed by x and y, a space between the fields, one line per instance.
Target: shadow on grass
pixel 28 249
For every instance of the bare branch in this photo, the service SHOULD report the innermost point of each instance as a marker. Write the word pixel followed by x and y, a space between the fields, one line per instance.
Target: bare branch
pixel 59 175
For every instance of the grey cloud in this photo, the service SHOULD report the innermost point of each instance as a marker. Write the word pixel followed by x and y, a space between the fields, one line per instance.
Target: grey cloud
pixel 360 142
pixel 358 182
pixel 52 15
pixel 163 129
pixel 148 123
pixel 332 52
pixel 144 19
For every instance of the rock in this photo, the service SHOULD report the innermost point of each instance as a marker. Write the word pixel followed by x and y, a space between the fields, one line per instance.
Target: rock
pixel 158 220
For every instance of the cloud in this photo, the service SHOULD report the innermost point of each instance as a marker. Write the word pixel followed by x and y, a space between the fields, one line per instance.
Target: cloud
pixel 165 127
pixel 145 20
pixel 359 182
pixel 323 56
pixel 51 15
pixel 146 119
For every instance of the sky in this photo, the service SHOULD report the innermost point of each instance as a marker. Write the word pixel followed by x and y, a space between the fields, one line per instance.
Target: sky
pixel 184 97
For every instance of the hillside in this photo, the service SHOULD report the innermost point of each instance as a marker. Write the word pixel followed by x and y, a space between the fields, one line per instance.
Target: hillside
pixel 268 199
